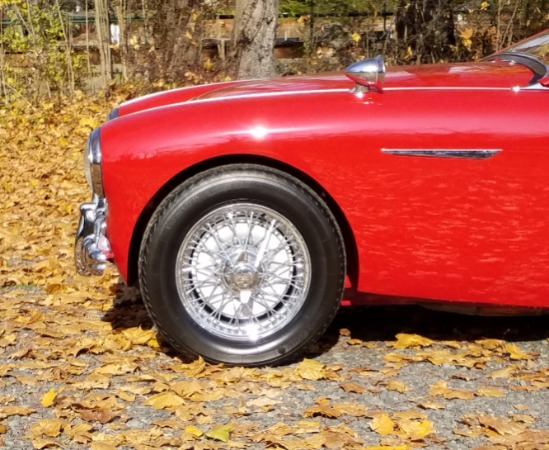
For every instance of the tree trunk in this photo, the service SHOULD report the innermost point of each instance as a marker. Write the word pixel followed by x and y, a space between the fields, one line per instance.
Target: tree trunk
pixel 121 10
pixel 254 37
pixel 65 28
pixel 104 39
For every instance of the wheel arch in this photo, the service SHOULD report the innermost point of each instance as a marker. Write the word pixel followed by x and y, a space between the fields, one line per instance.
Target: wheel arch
pixel 145 216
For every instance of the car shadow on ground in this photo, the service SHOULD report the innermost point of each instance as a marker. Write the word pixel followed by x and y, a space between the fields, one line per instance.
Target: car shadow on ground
pixel 371 323
pixel 127 310
pixel 383 323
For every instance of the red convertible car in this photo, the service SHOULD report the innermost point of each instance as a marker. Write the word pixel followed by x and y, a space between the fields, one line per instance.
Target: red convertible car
pixel 246 210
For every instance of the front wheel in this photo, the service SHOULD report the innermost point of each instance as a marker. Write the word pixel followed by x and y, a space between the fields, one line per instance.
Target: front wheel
pixel 242 265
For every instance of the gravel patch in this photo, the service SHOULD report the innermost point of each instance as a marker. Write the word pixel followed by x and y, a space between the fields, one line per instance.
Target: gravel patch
pixel 452 372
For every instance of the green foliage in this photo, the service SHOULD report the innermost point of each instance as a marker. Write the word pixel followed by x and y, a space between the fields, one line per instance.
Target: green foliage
pixel 36 57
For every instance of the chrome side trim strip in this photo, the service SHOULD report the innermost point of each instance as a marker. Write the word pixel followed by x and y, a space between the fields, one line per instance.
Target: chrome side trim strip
pixel 338 90
pixel 449 88
pixel 480 153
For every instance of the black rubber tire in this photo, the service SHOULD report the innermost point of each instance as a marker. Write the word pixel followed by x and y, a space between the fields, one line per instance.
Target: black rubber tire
pixel 259 185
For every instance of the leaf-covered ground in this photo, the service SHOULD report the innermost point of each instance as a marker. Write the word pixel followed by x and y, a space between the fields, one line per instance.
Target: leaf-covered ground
pixel 80 366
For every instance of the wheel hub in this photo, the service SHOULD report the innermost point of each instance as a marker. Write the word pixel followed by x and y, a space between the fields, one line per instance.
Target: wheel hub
pixel 242 277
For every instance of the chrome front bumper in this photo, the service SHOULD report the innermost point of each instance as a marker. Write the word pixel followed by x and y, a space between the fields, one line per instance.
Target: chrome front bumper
pixel 92 250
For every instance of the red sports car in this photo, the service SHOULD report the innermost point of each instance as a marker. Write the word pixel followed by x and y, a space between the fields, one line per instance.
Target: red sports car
pixel 248 210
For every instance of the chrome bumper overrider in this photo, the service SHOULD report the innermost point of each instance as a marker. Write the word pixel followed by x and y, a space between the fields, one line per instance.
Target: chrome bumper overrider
pixel 92 249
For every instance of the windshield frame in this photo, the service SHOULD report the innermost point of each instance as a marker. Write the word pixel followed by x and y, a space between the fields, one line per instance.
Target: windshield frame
pixel 518 53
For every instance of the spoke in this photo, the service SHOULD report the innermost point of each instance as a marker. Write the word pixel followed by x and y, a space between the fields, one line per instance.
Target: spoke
pixel 280 271
pixel 280 265
pixel 285 245
pixel 206 270
pixel 199 287
pixel 209 273
pixel 218 312
pixel 211 231
pixel 264 244
pixel 232 226
pixel 200 248
pixel 261 301
pixel 250 221
pixel 217 254
pixel 285 291
pixel 271 312
pixel 235 320
pixel 286 284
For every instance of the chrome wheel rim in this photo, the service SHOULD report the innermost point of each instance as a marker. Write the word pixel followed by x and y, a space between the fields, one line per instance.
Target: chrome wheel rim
pixel 243 272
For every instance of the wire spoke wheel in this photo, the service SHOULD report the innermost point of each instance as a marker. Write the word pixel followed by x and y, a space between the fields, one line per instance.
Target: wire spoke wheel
pixel 243 272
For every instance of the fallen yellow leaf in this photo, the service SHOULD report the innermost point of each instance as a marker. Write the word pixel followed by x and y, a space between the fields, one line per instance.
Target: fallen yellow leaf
pixel 194 431
pixel 221 433
pixel 48 398
pixel 487 391
pixel 309 369
pixel 405 340
pixel 415 430
pixel 440 388
pixel 515 353
pixel 398 386
pixel 383 424
pixel 165 400
pixel 502 426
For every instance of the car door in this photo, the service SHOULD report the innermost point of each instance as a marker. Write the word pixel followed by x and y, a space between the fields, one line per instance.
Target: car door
pixel 454 194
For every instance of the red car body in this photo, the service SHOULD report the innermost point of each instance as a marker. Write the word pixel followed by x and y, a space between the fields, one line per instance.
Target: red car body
pixel 438 180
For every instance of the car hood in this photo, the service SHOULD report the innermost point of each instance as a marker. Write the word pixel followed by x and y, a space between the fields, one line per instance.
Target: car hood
pixel 477 75
pixel 496 74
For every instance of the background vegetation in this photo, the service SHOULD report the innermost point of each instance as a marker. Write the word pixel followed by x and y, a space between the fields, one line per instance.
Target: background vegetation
pixel 52 48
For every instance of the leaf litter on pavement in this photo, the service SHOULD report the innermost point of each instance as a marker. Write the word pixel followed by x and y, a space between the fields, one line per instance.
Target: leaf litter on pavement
pixel 81 366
